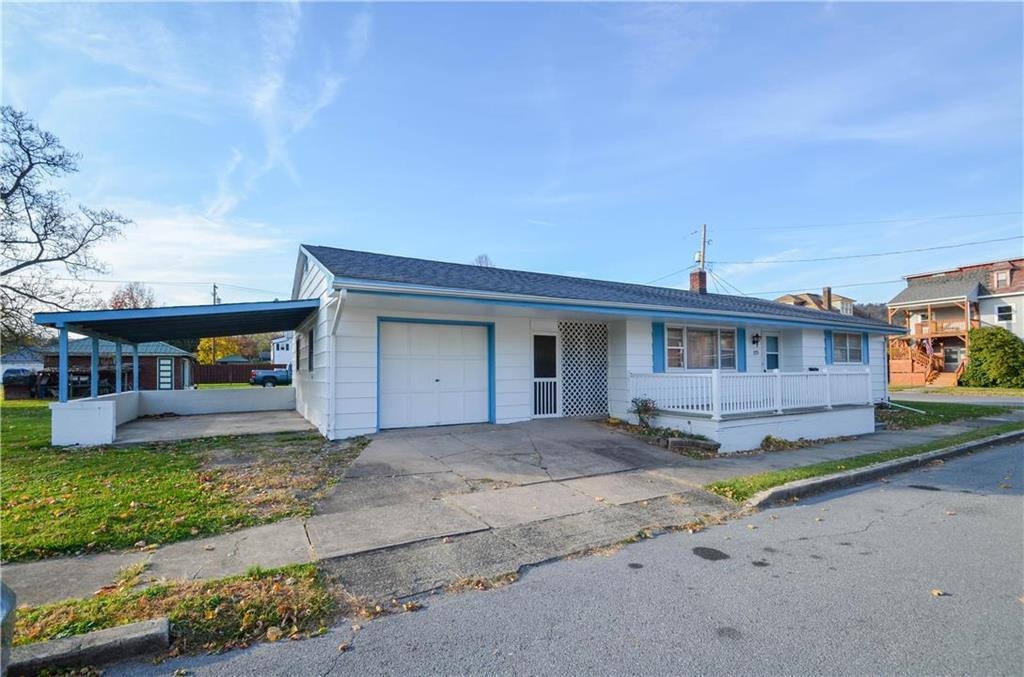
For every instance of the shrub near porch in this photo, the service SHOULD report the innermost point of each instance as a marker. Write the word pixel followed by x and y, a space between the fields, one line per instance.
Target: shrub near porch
pixel 66 501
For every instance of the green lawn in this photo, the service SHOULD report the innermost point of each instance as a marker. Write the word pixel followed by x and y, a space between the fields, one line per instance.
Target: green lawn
pixel 935 412
pixel 214 615
pixel 962 390
pixel 740 489
pixel 64 501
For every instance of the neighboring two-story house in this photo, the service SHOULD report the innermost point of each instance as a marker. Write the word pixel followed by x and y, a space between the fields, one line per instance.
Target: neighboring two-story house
pixel 939 308
pixel 826 300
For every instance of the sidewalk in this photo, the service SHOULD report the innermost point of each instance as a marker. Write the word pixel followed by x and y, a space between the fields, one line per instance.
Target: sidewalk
pixel 924 395
pixel 405 533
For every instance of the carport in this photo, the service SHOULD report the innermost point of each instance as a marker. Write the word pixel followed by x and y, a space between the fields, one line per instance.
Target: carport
pixel 94 420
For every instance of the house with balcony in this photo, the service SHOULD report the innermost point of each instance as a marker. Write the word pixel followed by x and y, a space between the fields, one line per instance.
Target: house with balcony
pixel 937 311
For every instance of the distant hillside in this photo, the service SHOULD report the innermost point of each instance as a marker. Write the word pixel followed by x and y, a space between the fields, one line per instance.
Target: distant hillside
pixel 875 311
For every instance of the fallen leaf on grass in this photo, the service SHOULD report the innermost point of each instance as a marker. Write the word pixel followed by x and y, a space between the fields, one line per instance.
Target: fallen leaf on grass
pixel 274 633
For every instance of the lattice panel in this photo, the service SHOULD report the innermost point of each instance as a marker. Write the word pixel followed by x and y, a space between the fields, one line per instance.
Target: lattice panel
pixel 584 368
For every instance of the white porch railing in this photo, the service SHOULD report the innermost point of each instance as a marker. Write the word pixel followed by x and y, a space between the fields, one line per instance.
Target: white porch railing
pixel 717 394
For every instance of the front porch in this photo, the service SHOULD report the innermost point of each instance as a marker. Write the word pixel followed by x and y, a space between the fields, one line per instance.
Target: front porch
pixel 738 409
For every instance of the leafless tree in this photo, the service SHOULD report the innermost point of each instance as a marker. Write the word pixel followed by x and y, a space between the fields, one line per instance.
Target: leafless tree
pixel 132 295
pixel 483 260
pixel 40 235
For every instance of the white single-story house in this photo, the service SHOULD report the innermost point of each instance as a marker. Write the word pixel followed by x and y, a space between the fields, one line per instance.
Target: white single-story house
pixel 386 342
pixel 281 349
pixel 402 342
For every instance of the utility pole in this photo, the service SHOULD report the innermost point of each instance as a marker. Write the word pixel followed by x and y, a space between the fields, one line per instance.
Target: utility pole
pixel 213 340
pixel 703 245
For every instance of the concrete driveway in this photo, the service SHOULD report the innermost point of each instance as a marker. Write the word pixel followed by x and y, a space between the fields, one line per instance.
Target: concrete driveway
pixel 562 459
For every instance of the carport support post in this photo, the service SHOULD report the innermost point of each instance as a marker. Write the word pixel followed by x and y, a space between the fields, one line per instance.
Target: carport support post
pixel 94 369
pixel 135 367
pixel 62 364
pixel 117 367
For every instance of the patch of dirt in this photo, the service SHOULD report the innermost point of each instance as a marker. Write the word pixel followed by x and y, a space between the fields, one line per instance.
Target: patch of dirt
pixel 279 475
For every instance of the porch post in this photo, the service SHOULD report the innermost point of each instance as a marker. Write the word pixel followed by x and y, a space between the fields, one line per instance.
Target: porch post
pixel 135 367
pixel 716 395
pixel 94 369
pixel 828 389
pixel 117 367
pixel 778 391
pixel 62 365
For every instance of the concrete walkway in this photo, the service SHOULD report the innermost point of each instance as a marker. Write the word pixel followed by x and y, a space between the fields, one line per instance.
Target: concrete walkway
pixel 419 508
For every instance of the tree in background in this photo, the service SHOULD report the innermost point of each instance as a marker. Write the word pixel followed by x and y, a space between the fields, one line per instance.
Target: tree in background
pixel 132 295
pixel 210 350
pixel 483 260
pixel 40 234
pixel 996 359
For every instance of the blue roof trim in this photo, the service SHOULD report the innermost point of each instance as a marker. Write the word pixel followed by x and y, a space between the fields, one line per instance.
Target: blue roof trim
pixel 622 311
pixel 76 316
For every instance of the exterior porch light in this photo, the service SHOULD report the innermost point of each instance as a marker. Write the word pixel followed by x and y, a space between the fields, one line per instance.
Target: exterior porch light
pixel 755 339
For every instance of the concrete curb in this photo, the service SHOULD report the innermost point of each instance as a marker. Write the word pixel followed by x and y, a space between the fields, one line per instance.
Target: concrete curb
pixel 817 485
pixel 93 648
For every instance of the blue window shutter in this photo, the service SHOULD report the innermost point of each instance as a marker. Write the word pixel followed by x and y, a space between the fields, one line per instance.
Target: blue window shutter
pixel 864 348
pixel 741 349
pixel 828 346
pixel 658 346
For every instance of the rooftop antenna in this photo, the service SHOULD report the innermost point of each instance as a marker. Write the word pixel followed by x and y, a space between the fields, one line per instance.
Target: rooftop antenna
pixel 702 254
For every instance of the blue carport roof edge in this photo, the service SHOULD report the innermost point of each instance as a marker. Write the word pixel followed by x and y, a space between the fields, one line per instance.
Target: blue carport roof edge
pixel 141 325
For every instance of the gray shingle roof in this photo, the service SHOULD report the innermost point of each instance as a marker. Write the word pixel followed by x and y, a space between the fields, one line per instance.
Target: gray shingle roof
pixel 386 268
pixel 84 347
pixel 968 284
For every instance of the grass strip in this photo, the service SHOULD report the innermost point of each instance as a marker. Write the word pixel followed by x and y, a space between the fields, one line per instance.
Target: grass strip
pixel 739 489
pixel 213 615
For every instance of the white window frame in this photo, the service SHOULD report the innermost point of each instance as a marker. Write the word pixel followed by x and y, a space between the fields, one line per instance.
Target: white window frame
pixel 718 347
pixel 858 343
pixel 996 279
pixel 999 313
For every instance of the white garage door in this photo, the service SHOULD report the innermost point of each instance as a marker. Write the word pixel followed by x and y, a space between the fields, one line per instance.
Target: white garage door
pixel 432 374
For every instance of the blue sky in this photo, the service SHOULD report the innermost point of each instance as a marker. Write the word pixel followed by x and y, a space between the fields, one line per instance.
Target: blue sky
pixel 584 139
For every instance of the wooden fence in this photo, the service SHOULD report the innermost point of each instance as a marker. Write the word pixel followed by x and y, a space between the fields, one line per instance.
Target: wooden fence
pixel 227 373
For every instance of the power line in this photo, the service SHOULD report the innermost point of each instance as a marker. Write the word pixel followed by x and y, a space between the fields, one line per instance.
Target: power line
pixel 162 283
pixel 876 254
pixel 835 286
pixel 866 223
pixel 681 270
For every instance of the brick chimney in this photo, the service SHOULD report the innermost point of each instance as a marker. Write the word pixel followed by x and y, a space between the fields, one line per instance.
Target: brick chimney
pixel 826 298
pixel 699 282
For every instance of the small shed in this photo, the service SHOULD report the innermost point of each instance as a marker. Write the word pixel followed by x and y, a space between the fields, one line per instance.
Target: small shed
pixel 161 365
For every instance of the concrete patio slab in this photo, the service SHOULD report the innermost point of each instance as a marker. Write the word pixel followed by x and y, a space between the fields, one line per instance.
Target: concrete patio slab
pixel 627 487
pixel 373 528
pixel 516 505
pixel 210 425
pixel 271 545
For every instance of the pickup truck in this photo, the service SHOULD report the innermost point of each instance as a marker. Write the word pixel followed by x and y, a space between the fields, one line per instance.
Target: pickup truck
pixel 270 378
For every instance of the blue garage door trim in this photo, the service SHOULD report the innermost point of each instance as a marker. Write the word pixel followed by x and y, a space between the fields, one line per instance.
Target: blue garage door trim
pixel 489 326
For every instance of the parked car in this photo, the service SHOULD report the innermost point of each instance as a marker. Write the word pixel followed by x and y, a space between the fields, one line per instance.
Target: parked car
pixel 269 378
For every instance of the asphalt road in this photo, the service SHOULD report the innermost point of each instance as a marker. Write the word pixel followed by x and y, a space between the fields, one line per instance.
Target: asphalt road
pixel 840 584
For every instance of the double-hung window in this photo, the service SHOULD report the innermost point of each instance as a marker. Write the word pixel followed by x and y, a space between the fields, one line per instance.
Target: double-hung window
pixel 1004 313
pixel 700 348
pixel 846 348
pixel 675 347
pixel 309 352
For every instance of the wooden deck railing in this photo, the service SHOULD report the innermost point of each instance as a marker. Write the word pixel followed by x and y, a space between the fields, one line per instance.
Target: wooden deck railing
pixel 717 393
